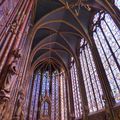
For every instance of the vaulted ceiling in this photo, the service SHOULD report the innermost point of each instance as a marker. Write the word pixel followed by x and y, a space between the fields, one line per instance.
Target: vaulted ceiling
pixel 57 32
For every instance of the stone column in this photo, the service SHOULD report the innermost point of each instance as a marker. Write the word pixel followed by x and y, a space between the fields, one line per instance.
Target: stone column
pixel 11 37
pixel 69 82
pixel 25 18
pixel 67 96
pixel 30 98
pixel 83 95
pixel 12 62
pixel 5 89
pixel 19 112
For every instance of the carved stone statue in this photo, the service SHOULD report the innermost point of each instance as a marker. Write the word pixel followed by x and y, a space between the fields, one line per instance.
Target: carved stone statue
pixel 107 112
pixel 9 77
pixel 46 99
pixel 17 53
pixel 85 111
pixel 19 114
pixel 6 87
pixel 5 91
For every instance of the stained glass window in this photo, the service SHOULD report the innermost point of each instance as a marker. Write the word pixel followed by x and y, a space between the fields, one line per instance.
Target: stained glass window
pixel 45 109
pixel 76 91
pixel 55 96
pixel 107 38
pixel 35 94
pixel 117 3
pixel 50 90
pixel 63 96
pixel 91 80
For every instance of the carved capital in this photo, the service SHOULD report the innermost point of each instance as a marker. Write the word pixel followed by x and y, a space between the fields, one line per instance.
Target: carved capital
pixel 4 97
pixel 13 26
pixel 8 81
pixel 17 53
pixel 12 68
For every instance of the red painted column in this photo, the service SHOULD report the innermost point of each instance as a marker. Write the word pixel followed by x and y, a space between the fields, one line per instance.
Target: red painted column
pixel 10 37
pixel 14 40
pixel 26 14
pixel 6 32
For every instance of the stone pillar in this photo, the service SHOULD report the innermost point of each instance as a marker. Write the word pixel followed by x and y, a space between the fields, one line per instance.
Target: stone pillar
pixel 83 95
pixel 5 89
pixel 19 112
pixel 67 96
pixel 69 82
pixel 50 91
pixel 13 52
pixel 25 17
pixel 11 36
pixel 30 98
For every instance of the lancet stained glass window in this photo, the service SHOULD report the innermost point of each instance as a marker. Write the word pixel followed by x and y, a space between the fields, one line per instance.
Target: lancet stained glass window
pixel 76 91
pixel 50 91
pixel 91 80
pixel 45 109
pixel 63 98
pixel 45 83
pixel 55 96
pixel 117 3
pixel 107 38
pixel 35 94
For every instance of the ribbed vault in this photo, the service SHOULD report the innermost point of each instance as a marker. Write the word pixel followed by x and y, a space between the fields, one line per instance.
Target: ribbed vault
pixel 57 31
